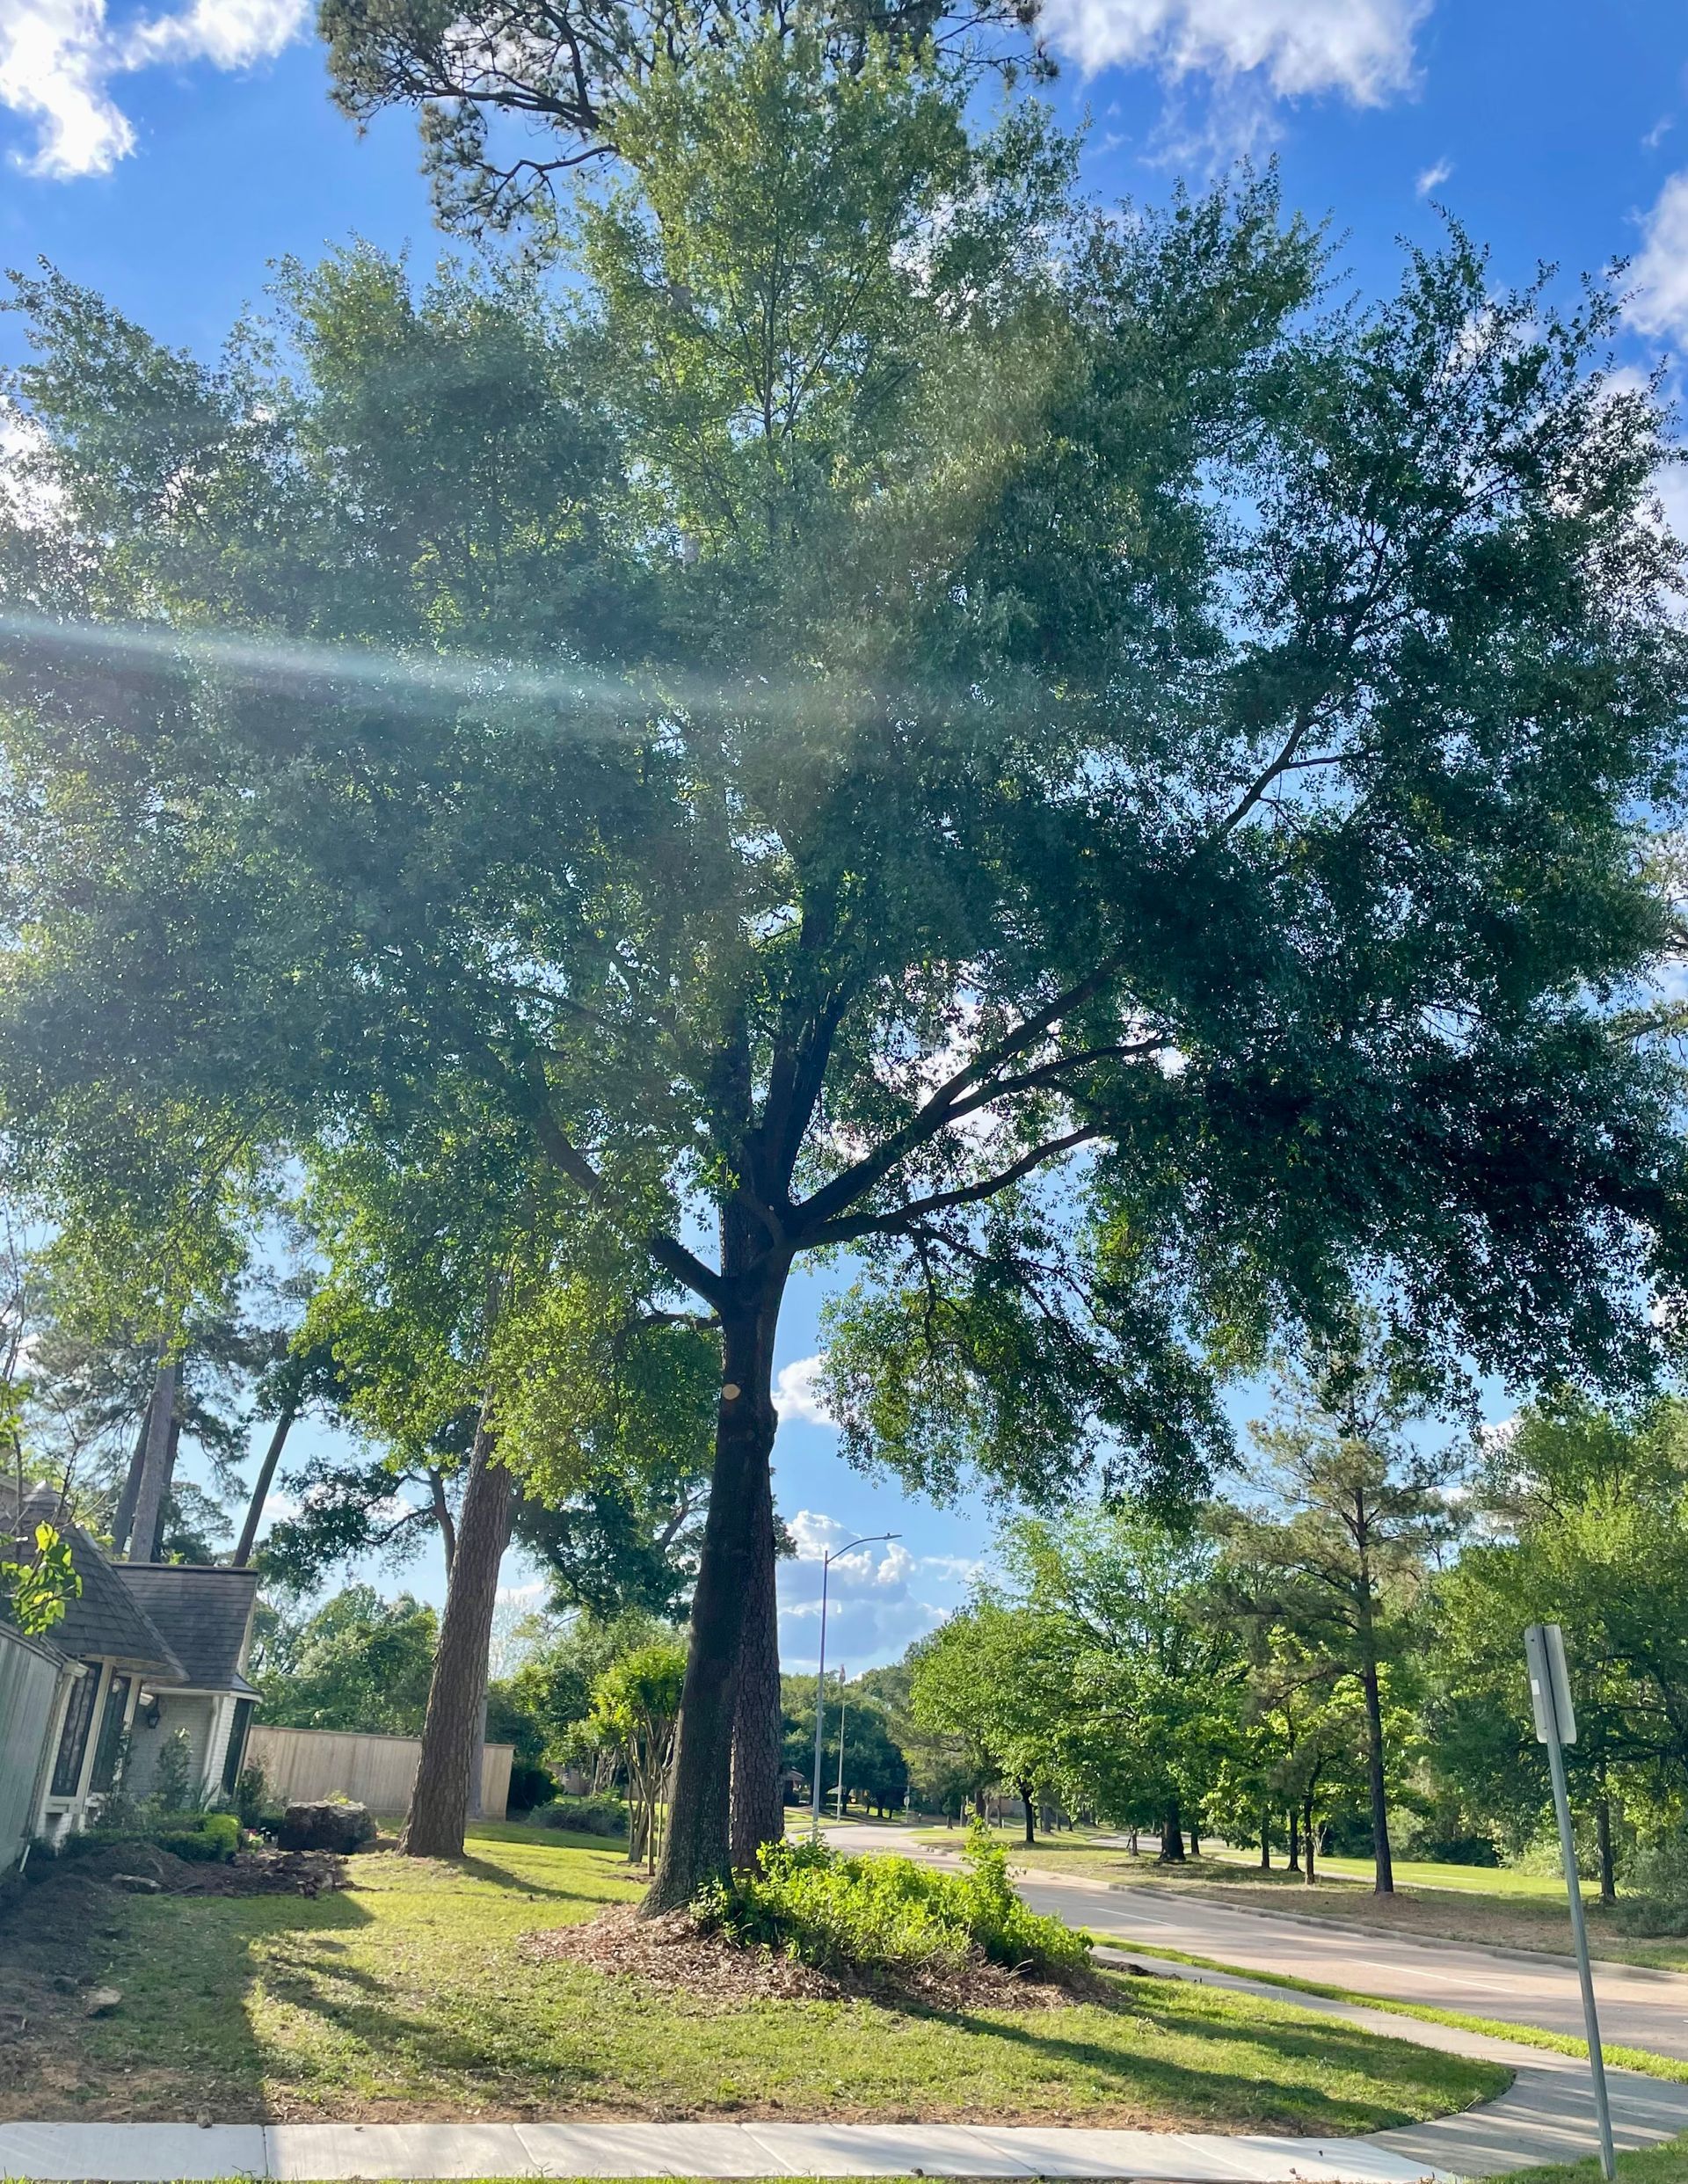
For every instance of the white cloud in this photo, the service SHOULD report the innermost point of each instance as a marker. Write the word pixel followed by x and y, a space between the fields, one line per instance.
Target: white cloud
pixel 1433 177
pixel 1659 131
pixel 798 1393
pixel 1361 48
pixel 878 1599
pixel 1660 272
pixel 59 58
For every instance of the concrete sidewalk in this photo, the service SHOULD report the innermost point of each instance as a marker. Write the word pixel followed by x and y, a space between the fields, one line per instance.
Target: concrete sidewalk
pixel 153 2153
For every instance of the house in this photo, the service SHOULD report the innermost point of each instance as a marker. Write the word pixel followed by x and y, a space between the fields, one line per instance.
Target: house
pixel 145 1649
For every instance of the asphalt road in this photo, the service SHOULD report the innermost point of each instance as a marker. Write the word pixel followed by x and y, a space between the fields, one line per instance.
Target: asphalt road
pixel 1638 2008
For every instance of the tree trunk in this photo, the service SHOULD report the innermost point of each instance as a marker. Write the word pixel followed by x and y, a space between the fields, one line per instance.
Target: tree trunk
pixel 265 1480
pixel 1172 1836
pixel 1603 1837
pixel 1265 1838
pixel 757 1811
pixel 477 1762
pixel 1025 1799
pixel 1383 1881
pixel 434 1827
pixel 1306 1840
pixel 1194 1843
pixel 172 1449
pixel 1295 1840
pixel 150 1499
pixel 443 1517
pixel 698 1847
pixel 123 1522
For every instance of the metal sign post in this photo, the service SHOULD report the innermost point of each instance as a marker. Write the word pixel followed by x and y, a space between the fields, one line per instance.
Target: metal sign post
pixel 1550 1697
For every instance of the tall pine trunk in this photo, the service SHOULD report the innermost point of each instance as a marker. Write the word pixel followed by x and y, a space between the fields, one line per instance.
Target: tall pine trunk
pixel 265 1480
pixel 757 1811
pixel 737 1540
pixel 1383 1882
pixel 156 1465
pixel 434 1827
pixel 123 1522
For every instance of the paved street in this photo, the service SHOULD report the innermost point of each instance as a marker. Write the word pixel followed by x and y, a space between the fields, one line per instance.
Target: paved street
pixel 1638 2008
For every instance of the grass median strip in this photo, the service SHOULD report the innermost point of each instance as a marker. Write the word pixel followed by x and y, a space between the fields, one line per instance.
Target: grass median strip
pixel 1620 2059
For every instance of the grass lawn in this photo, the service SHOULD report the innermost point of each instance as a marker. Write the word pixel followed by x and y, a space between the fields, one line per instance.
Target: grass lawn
pixel 407 1995
pixel 1501 1909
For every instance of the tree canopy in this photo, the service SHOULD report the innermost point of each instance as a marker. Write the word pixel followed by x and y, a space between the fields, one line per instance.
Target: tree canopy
pixel 900 713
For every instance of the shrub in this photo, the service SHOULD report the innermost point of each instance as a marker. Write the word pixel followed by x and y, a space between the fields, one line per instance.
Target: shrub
pixel 585 1816
pixel 1457 1850
pixel 202 1838
pixel 1658 1877
pixel 253 1796
pixel 880 1915
pixel 530 1786
pixel 173 1774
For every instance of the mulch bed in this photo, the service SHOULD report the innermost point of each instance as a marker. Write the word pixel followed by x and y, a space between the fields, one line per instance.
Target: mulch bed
pixel 675 1953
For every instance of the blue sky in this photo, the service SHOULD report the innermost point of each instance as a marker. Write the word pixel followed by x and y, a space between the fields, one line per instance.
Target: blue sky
pixel 166 156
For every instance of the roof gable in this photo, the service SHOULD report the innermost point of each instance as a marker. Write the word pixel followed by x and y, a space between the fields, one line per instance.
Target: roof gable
pixel 204 1612
pixel 105 1620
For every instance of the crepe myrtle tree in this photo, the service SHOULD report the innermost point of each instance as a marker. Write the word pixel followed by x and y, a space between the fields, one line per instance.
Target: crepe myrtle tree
pixel 905 718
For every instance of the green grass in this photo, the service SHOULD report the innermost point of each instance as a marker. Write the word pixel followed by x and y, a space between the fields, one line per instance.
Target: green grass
pixel 1642 2059
pixel 1656 2165
pixel 407 1995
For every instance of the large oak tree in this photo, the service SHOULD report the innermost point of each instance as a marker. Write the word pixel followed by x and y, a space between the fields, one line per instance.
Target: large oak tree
pixel 897 715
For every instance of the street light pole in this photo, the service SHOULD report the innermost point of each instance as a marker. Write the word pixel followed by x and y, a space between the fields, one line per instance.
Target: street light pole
pixel 826 1561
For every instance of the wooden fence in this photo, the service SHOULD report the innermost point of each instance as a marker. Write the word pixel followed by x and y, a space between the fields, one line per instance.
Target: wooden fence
pixel 377 1771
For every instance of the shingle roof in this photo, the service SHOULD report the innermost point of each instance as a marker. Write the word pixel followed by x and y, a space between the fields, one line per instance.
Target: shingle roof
pixel 204 1612
pixel 105 1618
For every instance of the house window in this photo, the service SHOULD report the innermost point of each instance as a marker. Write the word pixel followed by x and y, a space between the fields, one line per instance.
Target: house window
pixel 109 1750
pixel 73 1740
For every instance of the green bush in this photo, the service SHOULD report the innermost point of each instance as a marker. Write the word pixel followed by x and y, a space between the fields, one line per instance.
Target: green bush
pixel 584 1816
pixel 531 1786
pixel 202 1838
pixel 881 1915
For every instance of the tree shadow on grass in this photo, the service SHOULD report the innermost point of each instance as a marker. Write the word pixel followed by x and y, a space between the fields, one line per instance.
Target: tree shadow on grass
pixel 497 1876
pixel 1190 2087
pixel 182 2040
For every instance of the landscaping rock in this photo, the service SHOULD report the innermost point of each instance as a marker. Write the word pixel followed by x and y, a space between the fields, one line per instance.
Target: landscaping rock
pixel 332 1824
pixel 102 2002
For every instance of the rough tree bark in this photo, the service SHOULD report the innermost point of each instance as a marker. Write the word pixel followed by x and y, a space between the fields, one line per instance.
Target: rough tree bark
pixel 1171 1835
pixel 434 1827
pixel 172 1449
pixel 265 1480
pixel 155 1468
pixel 123 1521
pixel 758 1810
pixel 1384 1883
pixel 736 1534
